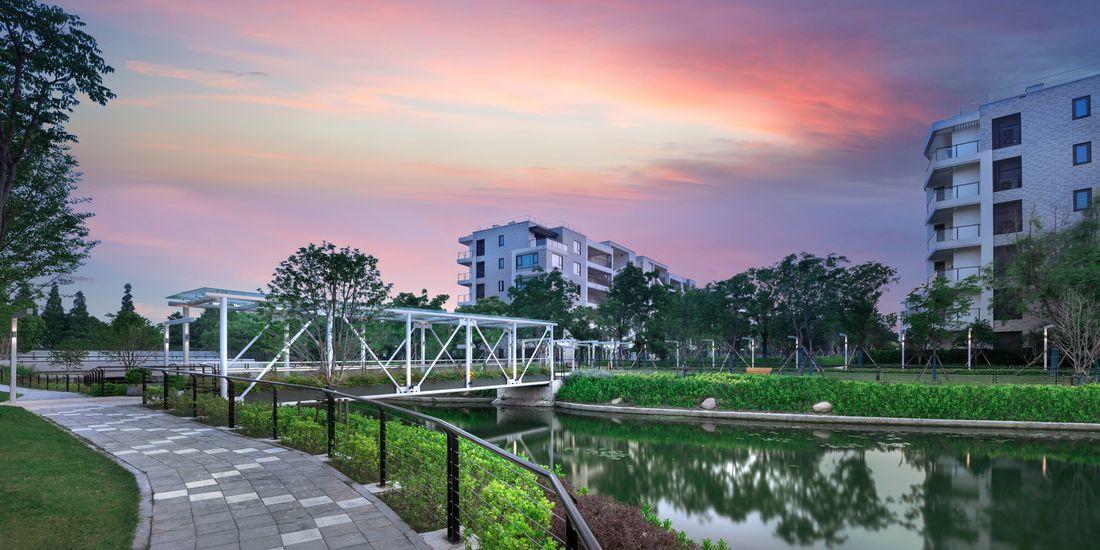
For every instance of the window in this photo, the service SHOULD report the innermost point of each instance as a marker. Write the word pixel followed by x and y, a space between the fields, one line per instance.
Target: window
pixel 1082 153
pixel 500 286
pixel 480 291
pixel 1002 256
pixel 1007 174
pixel 527 261
pixel 479 247
pixel 555 261
pixel 1006 305
pixel 1082 199
pixel 1008 217
pixel 1006 131
pixel 480 269
pixel 576 247
pixel 1082 107
pixel 500 240
pixel 576 268
pixel 500 263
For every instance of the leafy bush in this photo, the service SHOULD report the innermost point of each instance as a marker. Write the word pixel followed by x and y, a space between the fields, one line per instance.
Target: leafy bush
pixel 775 393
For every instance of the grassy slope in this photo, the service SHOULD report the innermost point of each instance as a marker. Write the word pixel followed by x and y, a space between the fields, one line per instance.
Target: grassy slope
pixel 55 492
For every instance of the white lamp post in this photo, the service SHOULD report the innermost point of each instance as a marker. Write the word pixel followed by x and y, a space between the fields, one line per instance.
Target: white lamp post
pixel 969 346
pixel 845 350
pixel 797 355
pixel 15 348
pixel 752 350
pixel 902 337
pixel 1046 356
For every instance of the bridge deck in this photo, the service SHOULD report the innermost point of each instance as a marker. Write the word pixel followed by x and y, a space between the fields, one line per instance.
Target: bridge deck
pixel 430 387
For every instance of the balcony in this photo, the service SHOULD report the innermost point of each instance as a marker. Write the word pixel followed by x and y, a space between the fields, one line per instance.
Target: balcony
pixel 464 300
pixel 956 274
pixel 951 196
pixel 549 244
pixel 954 237
pixel 972 316
pixel 464 257
pixel 464 278
pixel 959 150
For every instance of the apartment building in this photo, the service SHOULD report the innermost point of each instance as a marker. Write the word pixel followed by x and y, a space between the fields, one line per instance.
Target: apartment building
pixel 991 171
pixel 499 256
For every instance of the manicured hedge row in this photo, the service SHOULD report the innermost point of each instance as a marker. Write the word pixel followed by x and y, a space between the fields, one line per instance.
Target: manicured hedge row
pixel 798 394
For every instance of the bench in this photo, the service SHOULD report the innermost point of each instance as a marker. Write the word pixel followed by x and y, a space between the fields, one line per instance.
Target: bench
pixel 758 370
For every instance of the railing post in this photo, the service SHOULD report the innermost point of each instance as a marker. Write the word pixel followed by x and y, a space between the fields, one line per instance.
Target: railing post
pixel 194 396
pixel 164 391
pixel 381 447
pixel 102 380
pixel 231 392
pixel 274 412
pixel 66 381
pixel 330 419
pixel 452 488
pixel 144 383
pixel 571 542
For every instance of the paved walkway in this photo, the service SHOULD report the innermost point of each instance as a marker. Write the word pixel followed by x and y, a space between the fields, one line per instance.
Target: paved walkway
pixel 29 394
pixel 216 489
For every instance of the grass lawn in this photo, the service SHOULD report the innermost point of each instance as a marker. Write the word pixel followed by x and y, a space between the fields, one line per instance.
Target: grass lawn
pixel 55 492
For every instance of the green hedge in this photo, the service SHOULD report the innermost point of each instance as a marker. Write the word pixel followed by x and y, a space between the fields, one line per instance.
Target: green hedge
pixel 798 394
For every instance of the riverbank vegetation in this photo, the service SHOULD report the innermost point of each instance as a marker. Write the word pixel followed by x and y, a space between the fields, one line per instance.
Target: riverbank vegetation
pixel 59 493
pixel 797 394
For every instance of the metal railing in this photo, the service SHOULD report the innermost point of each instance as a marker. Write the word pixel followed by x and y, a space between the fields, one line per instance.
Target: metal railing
pixel 577 533
pixel 956 274
pixel 465 276
pixel 949 193
pixel 955 151
pixel 464 299
pixel 464 255
pixel 956 233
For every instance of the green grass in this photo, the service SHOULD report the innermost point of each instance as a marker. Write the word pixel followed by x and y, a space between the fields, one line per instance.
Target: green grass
pixel 55 492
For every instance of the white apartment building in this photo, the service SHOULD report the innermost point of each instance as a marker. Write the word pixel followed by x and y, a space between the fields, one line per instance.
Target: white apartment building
pixel 991 171
pixel 500 255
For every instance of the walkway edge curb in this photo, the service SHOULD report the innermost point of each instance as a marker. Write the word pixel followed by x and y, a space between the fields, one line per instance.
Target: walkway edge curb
pixel 143 532
pixel 874 421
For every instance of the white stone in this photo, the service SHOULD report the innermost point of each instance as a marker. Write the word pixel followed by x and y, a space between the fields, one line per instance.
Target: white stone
pixel 617 401
pixel 823 407
pixel 709 404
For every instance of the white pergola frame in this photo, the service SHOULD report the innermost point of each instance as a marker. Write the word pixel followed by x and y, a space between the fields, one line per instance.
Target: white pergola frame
pixel 513 366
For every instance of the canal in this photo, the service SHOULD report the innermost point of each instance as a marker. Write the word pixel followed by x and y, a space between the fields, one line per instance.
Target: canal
pixel 767 486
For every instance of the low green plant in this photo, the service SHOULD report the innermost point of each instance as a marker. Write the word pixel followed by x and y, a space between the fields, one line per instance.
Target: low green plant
pixel 777 393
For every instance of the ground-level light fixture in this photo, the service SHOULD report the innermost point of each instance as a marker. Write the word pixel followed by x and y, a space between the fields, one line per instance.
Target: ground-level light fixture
pixel 15 347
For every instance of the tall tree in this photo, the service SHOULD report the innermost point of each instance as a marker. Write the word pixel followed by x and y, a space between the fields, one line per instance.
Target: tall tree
pixel 547 296
pixel 937 309
pixel 46 237
pixel 47 63
pixel 53 315
pixel 336 289
pixel 127 299
pixel 860 287
pixel 631 306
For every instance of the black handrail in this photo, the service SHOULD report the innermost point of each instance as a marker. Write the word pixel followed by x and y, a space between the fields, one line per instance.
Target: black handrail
pixel 575 525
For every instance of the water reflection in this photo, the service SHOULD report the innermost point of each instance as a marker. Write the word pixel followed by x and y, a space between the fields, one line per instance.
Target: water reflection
pixel 767 487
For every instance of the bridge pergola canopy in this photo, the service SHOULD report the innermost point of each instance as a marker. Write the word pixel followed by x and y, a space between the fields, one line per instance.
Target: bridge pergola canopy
pixel 225 300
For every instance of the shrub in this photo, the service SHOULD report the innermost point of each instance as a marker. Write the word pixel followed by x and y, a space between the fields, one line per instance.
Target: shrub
pixel 1020 402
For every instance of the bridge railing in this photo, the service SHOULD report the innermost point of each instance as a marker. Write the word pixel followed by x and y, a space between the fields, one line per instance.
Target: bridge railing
pixel 434 474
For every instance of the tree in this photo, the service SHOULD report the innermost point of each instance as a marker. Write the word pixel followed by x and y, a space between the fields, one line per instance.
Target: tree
pixel 31 327
pixel 632 304
pixel 131 339
pixel 547 296
pixel 53 315
pixel 420 301
pixel 860 288
pixel 935 310
pixel 46 233
pixel 804 287
pixel 486 306
pixel 46 64
pixel 332 289
pixel 80 326
pixel 69 355
pixel 1055 275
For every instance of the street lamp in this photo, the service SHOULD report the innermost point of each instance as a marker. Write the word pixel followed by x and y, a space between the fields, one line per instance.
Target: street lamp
pixel 969 346
pixel 845 349
pixel 1046 356
pixel 752 350
pixel 901 336
pixel 797 355
pixel 15 347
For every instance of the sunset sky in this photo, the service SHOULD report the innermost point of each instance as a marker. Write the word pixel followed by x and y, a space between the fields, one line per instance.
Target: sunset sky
pixel 713 136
